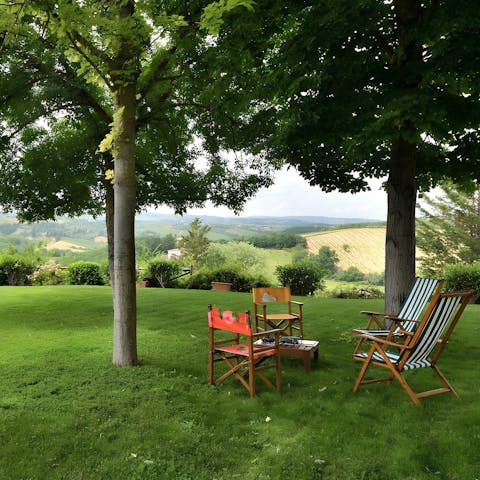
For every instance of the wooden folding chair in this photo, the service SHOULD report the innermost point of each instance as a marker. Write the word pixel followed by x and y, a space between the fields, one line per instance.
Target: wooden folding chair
pixel 249 359
pixel 420 349
pixel 421 291
pixel 290 322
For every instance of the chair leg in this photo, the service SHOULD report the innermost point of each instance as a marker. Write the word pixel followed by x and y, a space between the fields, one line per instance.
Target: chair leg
pixel 363 370
pixel 407 388
pixel 251 377
pixel 278 371
pixel 393 374
pixel 358 348
pixel 211 363
pixel 444 381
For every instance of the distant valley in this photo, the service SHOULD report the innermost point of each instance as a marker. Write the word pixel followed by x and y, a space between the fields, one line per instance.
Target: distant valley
pixel 358 242
pixel 87 232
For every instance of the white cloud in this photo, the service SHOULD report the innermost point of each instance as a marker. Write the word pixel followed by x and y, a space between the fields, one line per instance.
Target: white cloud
pixel 291 195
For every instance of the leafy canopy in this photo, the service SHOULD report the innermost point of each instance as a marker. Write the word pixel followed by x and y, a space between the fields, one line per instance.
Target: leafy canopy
pixel 449 229
pixel 325 86
pixel 59 73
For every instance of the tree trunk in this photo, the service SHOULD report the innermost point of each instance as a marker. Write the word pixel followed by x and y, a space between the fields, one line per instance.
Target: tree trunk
pixel 400 238
pixel 109 223
pixel 124 292
pixel 401 184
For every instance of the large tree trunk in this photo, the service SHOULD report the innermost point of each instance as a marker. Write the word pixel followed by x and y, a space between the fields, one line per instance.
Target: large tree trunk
pixel 124 77
pixel 401 184
pixel 124 293
pixel 109 223
pixel 400 238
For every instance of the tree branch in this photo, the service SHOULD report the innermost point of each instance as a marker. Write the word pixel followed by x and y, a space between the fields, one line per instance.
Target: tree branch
pixel 155 74
pixel 388 50
pixel 17 15
pixel 91 100
pixel 77 46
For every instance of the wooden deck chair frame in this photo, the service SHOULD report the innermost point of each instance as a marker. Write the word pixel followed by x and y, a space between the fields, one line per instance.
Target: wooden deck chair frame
pixel 418 350
pixel 244 360
pixel 421 291
pixel 290 322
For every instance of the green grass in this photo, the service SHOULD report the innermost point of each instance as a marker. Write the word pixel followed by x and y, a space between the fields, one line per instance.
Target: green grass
pixel 67 413
pixel 275 257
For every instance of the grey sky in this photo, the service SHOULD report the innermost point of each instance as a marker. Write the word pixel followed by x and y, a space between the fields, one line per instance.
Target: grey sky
pixel 292 196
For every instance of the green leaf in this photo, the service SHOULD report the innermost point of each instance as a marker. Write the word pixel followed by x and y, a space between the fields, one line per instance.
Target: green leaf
pixel 212 16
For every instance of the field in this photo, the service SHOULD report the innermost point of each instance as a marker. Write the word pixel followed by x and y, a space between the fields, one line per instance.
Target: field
pixel 363 248
pixel 275 258
pixel 67 413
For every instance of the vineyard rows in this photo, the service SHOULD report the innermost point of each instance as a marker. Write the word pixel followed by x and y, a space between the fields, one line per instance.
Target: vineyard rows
pixel 363 248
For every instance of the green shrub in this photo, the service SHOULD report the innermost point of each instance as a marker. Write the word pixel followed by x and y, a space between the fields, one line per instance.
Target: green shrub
pixel 15 269
pixel 356 292
pixel 328 258
pixel 239 256
pixel 277 240
pixel 460 276
pixel 376 279
pixel 241 282
pixel 50 273
pixel 105 272
pixel 162 273
pixel 303 278
pixel 85 273
pixel 351 274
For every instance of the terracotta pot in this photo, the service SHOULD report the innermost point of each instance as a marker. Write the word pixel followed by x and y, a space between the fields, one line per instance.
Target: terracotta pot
pixel 221 286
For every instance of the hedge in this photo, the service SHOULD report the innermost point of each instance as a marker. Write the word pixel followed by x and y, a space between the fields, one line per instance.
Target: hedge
pixel 85 273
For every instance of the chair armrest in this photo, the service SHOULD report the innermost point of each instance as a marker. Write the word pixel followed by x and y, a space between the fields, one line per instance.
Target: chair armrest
pixel 386 342
pixel 395 319
pixel 274 331
pixel 368 312
pixel 295 302
pixel 366 331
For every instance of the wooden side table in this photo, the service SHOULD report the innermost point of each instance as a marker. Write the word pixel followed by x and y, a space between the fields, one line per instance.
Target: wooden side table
pixel 302 349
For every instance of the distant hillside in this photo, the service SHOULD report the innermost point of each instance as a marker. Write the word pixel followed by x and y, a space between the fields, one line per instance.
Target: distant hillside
pixel 363 248
pixel 283 222
pixel 85 232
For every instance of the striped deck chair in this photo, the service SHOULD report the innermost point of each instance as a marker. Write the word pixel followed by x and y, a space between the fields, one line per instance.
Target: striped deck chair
pixel 418 350
pixel 242 355
pixel 420 292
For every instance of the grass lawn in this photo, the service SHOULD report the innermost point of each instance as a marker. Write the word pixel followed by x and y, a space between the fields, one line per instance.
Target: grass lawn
pixel 67 413
pixel 275 257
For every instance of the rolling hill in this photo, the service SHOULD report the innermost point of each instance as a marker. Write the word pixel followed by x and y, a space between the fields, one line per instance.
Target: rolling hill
pixel 363 248
pixel 356 243
pixel 85 232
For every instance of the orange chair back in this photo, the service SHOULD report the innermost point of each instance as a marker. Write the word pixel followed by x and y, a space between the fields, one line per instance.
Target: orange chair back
pixel 227 321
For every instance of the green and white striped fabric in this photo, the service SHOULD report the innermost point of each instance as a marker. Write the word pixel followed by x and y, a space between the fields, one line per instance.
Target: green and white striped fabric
pixel 418 296
pixel 437 321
